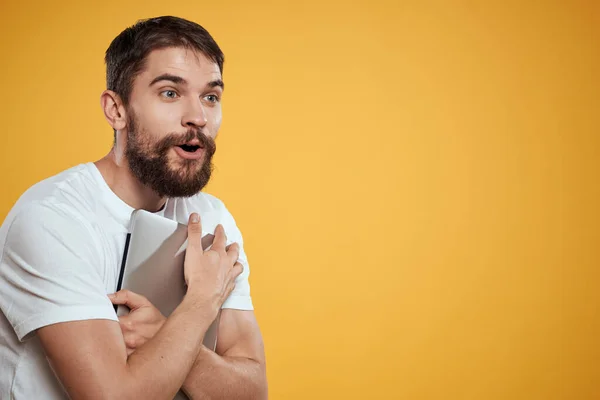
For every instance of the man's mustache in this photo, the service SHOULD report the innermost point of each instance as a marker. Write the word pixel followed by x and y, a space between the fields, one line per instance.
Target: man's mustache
pixel 178 139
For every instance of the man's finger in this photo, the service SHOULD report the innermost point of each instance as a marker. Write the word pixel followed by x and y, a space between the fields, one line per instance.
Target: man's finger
pixel 128 298
pixel 195 231
pixel 220 239
pixel 132 341
pixel 233 251
pixel 229 289
pixel 126 323
pixel 236 271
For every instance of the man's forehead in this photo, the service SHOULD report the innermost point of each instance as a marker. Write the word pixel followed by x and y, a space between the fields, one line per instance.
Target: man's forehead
pixel 187 63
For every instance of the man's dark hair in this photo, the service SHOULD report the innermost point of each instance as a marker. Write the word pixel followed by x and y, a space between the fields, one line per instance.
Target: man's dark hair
pixel 126 56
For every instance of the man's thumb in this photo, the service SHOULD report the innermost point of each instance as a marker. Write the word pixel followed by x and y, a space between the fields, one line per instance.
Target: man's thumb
pixel 194 227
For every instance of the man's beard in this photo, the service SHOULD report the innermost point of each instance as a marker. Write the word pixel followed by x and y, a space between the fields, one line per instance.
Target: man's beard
pixel 149 162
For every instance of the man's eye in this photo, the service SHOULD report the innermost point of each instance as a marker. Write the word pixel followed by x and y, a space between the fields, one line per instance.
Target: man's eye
pixel 212 98
pixel 171 94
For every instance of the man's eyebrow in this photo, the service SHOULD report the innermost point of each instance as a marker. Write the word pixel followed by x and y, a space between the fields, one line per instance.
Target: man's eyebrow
pixel 168 77
pixel 216 83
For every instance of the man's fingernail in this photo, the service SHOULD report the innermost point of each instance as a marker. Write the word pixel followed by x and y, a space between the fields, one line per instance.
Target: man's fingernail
pixel 195 218
pixel 111 295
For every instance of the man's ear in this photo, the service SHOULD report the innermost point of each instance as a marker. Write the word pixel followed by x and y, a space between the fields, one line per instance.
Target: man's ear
pixel 114 110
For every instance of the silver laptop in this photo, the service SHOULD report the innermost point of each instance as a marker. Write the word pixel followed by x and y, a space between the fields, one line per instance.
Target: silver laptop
pixel 153 265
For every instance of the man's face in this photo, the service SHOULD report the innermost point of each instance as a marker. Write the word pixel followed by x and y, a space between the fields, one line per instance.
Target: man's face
pixel 174 114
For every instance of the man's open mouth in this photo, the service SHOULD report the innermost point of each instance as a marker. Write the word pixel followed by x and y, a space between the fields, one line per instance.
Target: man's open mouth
pixel 189 148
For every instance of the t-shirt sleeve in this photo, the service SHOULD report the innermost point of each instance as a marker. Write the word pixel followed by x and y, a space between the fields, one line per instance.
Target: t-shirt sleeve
pixel 47 272
pixel 240 298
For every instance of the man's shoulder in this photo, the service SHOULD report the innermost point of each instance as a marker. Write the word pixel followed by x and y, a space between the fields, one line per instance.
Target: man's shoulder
pixel 68 194
pixel 68 184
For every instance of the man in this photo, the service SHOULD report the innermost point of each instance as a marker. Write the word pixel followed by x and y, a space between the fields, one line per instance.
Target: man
pixel 63 241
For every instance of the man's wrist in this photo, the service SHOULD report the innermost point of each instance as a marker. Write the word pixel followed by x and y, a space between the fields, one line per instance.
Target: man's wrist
pixel 204 313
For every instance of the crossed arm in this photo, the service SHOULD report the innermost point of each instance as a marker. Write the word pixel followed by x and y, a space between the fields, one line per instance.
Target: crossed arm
pixel 90 359
pixel 236 370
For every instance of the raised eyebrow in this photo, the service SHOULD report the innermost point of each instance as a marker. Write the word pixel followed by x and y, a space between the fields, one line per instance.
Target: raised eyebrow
pixel 168 77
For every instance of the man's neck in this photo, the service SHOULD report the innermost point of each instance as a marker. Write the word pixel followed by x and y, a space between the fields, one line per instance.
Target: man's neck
pixel 115 171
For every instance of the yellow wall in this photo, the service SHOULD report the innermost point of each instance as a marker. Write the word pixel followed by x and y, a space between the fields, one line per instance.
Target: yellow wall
pixel 417 182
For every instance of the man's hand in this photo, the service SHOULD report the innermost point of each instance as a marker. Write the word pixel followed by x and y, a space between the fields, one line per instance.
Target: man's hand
pixel 142 322
pixel 210 275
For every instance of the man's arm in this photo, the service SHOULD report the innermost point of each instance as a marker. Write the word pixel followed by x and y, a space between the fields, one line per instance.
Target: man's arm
pixel 90 360
pixel 237 370
pixel 89 357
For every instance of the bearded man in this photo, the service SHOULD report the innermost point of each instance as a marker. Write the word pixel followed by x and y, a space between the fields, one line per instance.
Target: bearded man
pixel 63 241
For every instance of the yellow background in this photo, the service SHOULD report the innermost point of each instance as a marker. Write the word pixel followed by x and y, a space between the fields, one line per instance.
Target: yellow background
pixel 417 182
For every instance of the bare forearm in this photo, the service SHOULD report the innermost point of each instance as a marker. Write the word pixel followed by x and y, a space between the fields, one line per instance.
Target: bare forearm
pixel 215 377
pixel 159 368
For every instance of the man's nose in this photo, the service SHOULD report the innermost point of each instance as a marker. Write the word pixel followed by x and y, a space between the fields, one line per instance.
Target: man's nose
pixel 195 115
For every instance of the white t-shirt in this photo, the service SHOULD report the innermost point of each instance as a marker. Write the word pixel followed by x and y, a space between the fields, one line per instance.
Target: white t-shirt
pixel 62 245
